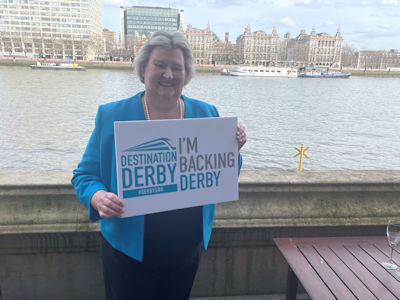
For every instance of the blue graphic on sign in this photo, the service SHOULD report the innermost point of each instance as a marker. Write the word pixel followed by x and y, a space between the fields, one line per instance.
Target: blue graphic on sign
pixel 149 168
pixel 153 145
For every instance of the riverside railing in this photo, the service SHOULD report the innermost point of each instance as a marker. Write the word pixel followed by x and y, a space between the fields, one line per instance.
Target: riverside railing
pixel 49 250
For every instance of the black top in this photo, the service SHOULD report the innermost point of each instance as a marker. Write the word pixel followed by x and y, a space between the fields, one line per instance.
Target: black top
pixel 172 234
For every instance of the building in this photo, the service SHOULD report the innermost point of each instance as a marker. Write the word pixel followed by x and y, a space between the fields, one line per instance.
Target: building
pixel 258 48
pixel 52 29
pixel 201 43
pixel 144 21
pixel 109 36
pixel 108 41
pixel 315 49
pixel 371 59
pixel 224 53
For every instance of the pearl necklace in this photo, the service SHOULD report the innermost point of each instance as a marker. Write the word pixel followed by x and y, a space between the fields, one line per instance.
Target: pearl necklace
pixel 147 109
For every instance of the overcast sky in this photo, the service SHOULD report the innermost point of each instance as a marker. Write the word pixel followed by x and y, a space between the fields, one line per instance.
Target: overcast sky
pixel 364 24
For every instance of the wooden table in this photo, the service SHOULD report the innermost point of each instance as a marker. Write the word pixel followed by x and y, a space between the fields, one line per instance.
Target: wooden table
pixel 340 267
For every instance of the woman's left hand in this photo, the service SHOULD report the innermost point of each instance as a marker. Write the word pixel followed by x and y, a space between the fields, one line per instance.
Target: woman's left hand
pixel 240 135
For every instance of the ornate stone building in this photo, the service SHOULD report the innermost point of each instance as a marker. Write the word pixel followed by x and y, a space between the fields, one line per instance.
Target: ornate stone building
pixel 371 59
pixel 38 28
pixel 258 48
pixel 315 49
pixel 201 42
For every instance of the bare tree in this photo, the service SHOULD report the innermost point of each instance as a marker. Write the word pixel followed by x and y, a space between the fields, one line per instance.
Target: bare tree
pixel 348 55
pixel 93 48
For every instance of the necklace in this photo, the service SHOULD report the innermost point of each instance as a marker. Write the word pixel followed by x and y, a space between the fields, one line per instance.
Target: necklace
pixel 147 109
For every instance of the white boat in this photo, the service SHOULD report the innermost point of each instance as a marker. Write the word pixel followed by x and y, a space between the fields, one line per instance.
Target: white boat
pixel 264 71
pixel 58 66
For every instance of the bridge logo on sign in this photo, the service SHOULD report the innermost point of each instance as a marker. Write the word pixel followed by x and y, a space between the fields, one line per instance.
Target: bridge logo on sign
pixel 153 145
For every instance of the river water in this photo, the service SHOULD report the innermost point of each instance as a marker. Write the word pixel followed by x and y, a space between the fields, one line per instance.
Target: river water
pixel 46 117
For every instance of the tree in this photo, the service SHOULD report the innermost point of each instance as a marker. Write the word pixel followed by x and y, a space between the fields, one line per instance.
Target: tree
pixel 348 52
pixel 93 48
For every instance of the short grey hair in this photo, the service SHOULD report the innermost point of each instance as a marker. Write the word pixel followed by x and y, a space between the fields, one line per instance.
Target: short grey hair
pixel 166 40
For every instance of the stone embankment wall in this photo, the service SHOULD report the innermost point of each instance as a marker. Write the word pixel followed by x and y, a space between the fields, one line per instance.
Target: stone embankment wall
pixel 49 250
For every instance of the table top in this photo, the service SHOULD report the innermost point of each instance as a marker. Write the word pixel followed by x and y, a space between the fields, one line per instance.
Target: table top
pixel 343 267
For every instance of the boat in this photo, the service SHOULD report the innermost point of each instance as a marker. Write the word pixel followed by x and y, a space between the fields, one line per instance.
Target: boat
pixel 225 72
pixel 58 66
pixel 262 71
pixel 321 72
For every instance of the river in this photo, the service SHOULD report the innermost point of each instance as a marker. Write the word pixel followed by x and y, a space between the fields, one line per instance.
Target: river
pixel 47 117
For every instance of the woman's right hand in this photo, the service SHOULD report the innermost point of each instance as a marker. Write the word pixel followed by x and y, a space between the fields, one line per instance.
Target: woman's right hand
pixel 107 204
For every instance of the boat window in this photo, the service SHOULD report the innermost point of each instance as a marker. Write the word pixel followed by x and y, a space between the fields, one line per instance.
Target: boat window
pixel 261 70
pixel 279 71
pixel 273 71
pixel 267 71
pixel 255 70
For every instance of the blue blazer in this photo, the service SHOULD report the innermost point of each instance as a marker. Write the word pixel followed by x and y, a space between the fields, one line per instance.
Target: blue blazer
pixel 97 171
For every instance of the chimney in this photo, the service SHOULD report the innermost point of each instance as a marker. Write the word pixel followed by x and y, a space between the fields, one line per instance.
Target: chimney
pixel 226 37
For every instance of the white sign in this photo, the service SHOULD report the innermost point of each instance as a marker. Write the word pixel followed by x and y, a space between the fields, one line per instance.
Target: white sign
pixel 172 164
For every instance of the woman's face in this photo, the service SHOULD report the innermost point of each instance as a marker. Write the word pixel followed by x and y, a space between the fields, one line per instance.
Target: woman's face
pixel 164 74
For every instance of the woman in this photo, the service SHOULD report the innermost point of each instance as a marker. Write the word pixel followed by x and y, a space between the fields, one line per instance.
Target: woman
pixel 154 256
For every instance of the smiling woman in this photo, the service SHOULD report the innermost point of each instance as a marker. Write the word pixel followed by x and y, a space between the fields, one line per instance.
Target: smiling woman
pixel 153 256
pixel 164 68
pixel 164 77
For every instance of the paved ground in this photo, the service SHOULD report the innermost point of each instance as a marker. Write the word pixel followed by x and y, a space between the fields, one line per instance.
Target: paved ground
pixel 254 297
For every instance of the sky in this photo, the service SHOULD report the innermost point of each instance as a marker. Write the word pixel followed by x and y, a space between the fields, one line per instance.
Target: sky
pixel 364 24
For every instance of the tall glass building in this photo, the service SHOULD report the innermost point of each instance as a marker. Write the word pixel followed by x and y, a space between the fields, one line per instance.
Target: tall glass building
pixel 143 21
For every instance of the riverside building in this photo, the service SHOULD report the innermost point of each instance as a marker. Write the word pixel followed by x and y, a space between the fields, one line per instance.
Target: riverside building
pixel 201 43
pixel 315 49
pixel 66 29
pixel 372 59
pixel 262 49
pixel 224 53
pixel 258 48
pixel 138 22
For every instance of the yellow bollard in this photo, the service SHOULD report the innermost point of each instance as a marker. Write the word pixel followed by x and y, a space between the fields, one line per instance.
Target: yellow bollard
pixel 301 153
